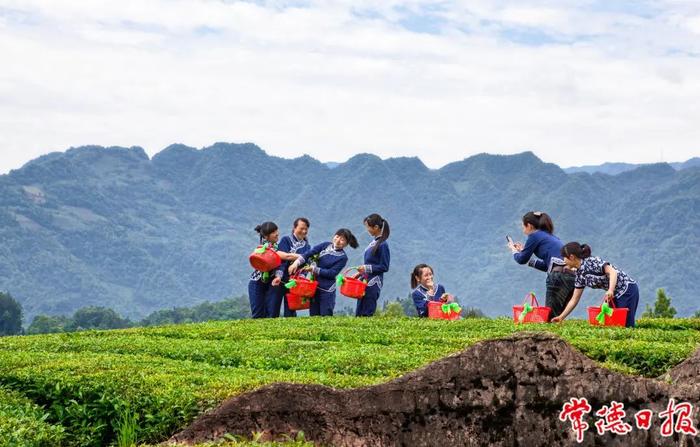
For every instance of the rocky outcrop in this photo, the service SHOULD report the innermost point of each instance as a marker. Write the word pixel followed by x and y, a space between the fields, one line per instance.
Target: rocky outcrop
pixel 505 392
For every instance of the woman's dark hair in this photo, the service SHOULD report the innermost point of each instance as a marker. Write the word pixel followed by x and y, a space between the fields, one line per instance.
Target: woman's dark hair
pixel 417 271
pixel 347 234
pixel 265 229
pixel 581 251
pixel 375 220
pixel 301 219
pixel 539 220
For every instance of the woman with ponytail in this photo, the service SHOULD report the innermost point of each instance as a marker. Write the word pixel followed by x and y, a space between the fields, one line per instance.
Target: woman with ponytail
pixel 331 260
pixel 261 287
pixel 545 247
pixel 595 273
pixel 376 263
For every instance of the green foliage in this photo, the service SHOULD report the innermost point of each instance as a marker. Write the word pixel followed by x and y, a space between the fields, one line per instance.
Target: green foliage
pixel 105 318
pixel 127 428
pixel 88 381
pixel 10 315
pixel 47 324
pixel 228 309
pixel 662 307
pixel 239 441
pixel 24 424
pixel 95 317
pixel 392 309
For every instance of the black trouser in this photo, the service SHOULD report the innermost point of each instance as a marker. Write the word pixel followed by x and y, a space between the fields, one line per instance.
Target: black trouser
pixel 560 289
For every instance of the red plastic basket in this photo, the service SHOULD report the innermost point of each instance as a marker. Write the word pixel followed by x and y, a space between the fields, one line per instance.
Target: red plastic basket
pixel 435 311
pixel 538 314
pixel 296 302
pixel 351 287
pixel 301 286
pixel 618 317
pixel 264 258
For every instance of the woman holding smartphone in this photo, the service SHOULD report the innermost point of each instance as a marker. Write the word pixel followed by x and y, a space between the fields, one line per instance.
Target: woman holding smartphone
pixel 546 248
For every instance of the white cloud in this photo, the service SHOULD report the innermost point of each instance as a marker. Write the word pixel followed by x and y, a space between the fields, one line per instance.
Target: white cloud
pixel 329 81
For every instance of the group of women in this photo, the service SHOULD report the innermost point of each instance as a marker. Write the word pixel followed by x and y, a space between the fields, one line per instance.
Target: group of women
pixel 570 268
pixel 325 261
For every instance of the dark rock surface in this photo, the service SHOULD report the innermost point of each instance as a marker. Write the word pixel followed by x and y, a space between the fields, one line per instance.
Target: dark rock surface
pixel 505 392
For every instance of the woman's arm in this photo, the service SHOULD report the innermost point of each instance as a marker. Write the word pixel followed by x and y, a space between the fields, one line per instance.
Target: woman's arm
pixel 333 270
pixel 569 307
pixel 420 303
pixel 612 273
pixel 284 246
pixel 524 255
pixel 302 259
pixel 288 256
pixel 382 266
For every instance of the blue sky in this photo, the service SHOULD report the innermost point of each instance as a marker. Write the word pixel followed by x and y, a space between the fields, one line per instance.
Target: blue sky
pixel 576 82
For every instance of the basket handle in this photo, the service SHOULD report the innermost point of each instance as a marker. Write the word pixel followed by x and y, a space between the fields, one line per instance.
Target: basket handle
pixel 611 303
pixel 605 309
pixel 350 269
pixel 340 279
pixel 533 299
pixel 293 279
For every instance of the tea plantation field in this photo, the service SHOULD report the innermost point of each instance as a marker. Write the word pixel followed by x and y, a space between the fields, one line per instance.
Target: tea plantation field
pixel 77 389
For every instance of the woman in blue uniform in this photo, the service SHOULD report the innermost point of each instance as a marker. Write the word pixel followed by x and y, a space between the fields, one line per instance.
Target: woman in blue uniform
pixel 546 248
pixel 595 273
pixel 425 289
pixel 376 263
pixel 261 285
pixel 331 261
pixel 292 243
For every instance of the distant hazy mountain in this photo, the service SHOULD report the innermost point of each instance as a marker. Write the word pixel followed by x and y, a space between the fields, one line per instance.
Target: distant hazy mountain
pixel 617 168
pixel 109 226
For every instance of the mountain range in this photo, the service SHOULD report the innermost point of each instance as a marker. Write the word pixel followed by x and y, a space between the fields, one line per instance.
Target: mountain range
pixel 618 168
pixel 113 227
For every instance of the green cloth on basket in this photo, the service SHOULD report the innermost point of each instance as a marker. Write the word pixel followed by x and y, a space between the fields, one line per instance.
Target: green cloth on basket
pixel 605 309
pixel 527 308
pixel 451 307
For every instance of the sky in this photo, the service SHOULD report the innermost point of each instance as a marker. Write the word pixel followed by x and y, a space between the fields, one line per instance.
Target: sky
pixel 576 82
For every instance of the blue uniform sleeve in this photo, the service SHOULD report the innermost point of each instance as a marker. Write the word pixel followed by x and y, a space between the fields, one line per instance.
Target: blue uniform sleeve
pixel 384 260
pixel 420 303
pixel 537 263
pixel 285 245
pixel 439 292
pixel 529 248
pixel 313 252
pixel 332 271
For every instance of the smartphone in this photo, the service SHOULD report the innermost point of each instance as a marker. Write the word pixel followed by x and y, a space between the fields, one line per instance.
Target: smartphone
pixel 509 239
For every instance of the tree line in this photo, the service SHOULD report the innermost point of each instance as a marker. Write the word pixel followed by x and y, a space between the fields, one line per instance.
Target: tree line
pixel 97 317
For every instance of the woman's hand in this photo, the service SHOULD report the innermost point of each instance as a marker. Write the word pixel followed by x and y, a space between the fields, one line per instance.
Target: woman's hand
pixel 609 296
pixel 446 298
pixel 293 268
pixel 558 319
pixel 361 269
pixel 277 281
